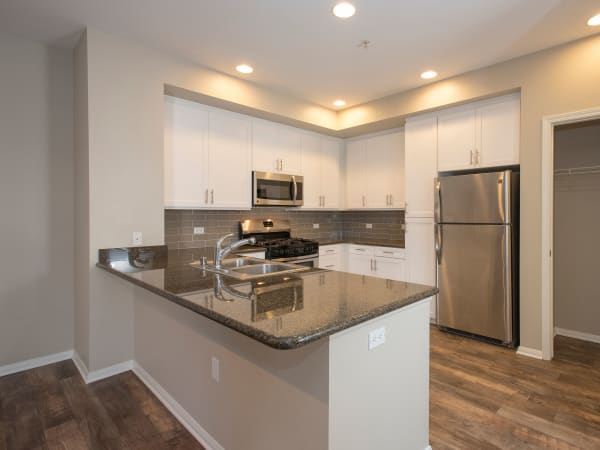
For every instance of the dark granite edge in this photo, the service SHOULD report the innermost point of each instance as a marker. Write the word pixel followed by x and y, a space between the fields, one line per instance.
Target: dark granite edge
pixel 279 343
pixel 359 242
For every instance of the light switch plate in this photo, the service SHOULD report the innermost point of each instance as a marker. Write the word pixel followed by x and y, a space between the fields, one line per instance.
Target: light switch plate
pixel 198 230
pixel 376 338
pixel 369 226
pixel 315 226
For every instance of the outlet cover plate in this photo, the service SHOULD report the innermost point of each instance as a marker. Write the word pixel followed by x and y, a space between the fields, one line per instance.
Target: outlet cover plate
pixel 376 338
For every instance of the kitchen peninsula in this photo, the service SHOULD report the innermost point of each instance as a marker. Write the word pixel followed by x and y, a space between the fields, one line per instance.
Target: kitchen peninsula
pixel 311 359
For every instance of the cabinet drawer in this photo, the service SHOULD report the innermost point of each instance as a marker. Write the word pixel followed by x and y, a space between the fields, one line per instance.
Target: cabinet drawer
pixel 360 250
pixel 331 262
pixel 333 249
pixel 390 252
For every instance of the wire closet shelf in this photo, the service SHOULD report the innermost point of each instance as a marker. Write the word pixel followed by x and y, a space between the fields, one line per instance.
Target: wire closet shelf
pixel 583 170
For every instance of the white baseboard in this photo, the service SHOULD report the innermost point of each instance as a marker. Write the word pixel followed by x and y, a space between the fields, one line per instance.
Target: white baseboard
pixel 577 335
pixel 35 362
pixel 190 424
pixel 97 375
pixel 530 352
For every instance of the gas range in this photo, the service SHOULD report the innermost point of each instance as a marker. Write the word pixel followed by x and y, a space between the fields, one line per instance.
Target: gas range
pixel 275 237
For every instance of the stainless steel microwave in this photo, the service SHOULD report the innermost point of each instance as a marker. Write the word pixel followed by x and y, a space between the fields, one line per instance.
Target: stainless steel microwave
pixel 277 189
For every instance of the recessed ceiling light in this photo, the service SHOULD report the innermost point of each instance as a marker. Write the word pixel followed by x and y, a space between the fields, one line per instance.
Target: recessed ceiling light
pixel 428 74
pixel 339 102
pixel 244 68
pixel 594 21
pixel 343 10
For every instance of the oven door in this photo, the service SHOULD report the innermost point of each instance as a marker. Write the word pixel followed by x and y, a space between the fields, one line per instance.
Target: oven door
pixel 277 189
pixel 308 260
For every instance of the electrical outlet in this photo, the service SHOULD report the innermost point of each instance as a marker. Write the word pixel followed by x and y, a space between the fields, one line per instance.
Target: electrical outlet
pixel 369 226
pixel 137 238
pixel 198 230
pixel 376 338
pixel 214 369
pixel 316 226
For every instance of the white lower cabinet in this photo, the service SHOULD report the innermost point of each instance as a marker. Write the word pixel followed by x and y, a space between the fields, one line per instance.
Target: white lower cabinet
pixel 420 254
pixel 380 262
pixel 331 257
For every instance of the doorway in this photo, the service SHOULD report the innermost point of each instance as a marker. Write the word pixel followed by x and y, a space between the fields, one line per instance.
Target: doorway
pixel 569 175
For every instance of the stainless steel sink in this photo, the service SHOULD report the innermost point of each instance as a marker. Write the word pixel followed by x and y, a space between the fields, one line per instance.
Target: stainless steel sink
pixel 246 268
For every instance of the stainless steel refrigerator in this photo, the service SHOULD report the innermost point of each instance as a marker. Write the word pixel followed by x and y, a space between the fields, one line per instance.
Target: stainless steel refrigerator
pixel 477 249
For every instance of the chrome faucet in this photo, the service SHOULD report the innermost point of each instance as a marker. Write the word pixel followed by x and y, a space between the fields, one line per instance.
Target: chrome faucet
pixel 220 252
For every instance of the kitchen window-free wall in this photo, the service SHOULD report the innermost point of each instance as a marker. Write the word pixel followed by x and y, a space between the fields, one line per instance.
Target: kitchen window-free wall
pixel 36 197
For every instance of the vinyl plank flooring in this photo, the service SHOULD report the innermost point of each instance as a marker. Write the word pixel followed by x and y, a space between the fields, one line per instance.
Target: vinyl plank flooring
pixel 52 408
pixel 486 397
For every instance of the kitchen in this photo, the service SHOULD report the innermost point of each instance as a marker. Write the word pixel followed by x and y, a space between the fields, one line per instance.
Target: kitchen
pixel 119 142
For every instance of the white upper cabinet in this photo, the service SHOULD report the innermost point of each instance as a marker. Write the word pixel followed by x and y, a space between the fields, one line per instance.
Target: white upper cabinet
pixel 456 139
pixel 356 176
pixel 206 157
pixel 276 148
pixel 482 134
pixel 375 172
pixel 499 125
pixel 420 150
pixel 229 171
pixel 321 171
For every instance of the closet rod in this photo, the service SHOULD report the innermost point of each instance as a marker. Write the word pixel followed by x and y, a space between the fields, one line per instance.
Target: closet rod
pixel 578 170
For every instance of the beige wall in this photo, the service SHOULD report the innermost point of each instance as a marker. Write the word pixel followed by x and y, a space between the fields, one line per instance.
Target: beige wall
pixel 553 81
pixel 36 196
pixel 576 218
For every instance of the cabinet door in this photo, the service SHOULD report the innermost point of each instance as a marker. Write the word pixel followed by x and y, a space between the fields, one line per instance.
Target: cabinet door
pixel 290 150
pixel 311 168
pixel 229 161
pixel 420 254
pixel 420 170
pixel 360 264
pixel 355 174
pixel 396 168
pixel 498 130
pixel 185 142
pixel 330 172
pixel 390 268
pixel 379 172
pixel 331 262
pixel 456 139
pixel 265 145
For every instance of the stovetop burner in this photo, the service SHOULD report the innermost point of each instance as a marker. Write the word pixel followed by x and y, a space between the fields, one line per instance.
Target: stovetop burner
pixel 275 237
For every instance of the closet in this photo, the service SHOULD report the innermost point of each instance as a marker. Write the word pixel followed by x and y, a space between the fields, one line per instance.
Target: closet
pixel 577 230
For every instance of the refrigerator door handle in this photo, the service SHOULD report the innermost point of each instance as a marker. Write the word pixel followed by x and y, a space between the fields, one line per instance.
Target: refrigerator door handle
pixel 438 242
pixel 504 182
pixel 508 304
pixel 437 211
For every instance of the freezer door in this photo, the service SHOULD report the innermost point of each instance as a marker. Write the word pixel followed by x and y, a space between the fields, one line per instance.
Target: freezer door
pixel 474 279
pixel 474 198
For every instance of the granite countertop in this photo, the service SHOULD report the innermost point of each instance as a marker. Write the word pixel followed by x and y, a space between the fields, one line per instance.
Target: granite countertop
pixel 286 311
pixel 375 242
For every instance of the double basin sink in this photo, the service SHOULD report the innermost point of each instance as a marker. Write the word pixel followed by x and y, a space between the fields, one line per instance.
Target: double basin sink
pixel 246 268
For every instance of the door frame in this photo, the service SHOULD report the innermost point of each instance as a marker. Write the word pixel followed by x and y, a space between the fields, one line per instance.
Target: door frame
pixel 548 125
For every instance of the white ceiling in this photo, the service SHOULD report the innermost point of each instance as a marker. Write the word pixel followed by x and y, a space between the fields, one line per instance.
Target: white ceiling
pixel 300 48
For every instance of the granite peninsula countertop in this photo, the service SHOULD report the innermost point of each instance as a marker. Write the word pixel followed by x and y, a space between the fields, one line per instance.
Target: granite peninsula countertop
pixel 286 311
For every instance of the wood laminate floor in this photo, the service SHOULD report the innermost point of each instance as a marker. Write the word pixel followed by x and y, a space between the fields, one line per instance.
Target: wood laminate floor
pixel 487 397
pixel 52 408
pixel 482 397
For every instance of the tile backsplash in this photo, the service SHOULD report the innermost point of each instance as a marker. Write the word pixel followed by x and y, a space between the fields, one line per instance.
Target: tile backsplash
pixel 387 226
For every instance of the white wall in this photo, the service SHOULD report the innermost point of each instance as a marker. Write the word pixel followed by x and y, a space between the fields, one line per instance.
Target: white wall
pixel 576 219
pixel 36 197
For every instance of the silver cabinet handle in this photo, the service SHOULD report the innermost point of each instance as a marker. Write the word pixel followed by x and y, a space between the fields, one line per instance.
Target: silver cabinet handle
pixel 371 264
pixel 359 249
pixel 330 265
pixel 323 201
pixel 375 264
pixel 281 165
pixel 212 196
pixel 391 200
pixel 206 196
pixel 388 253
pixel 364 201
pixel 329 250
pixel 471 157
